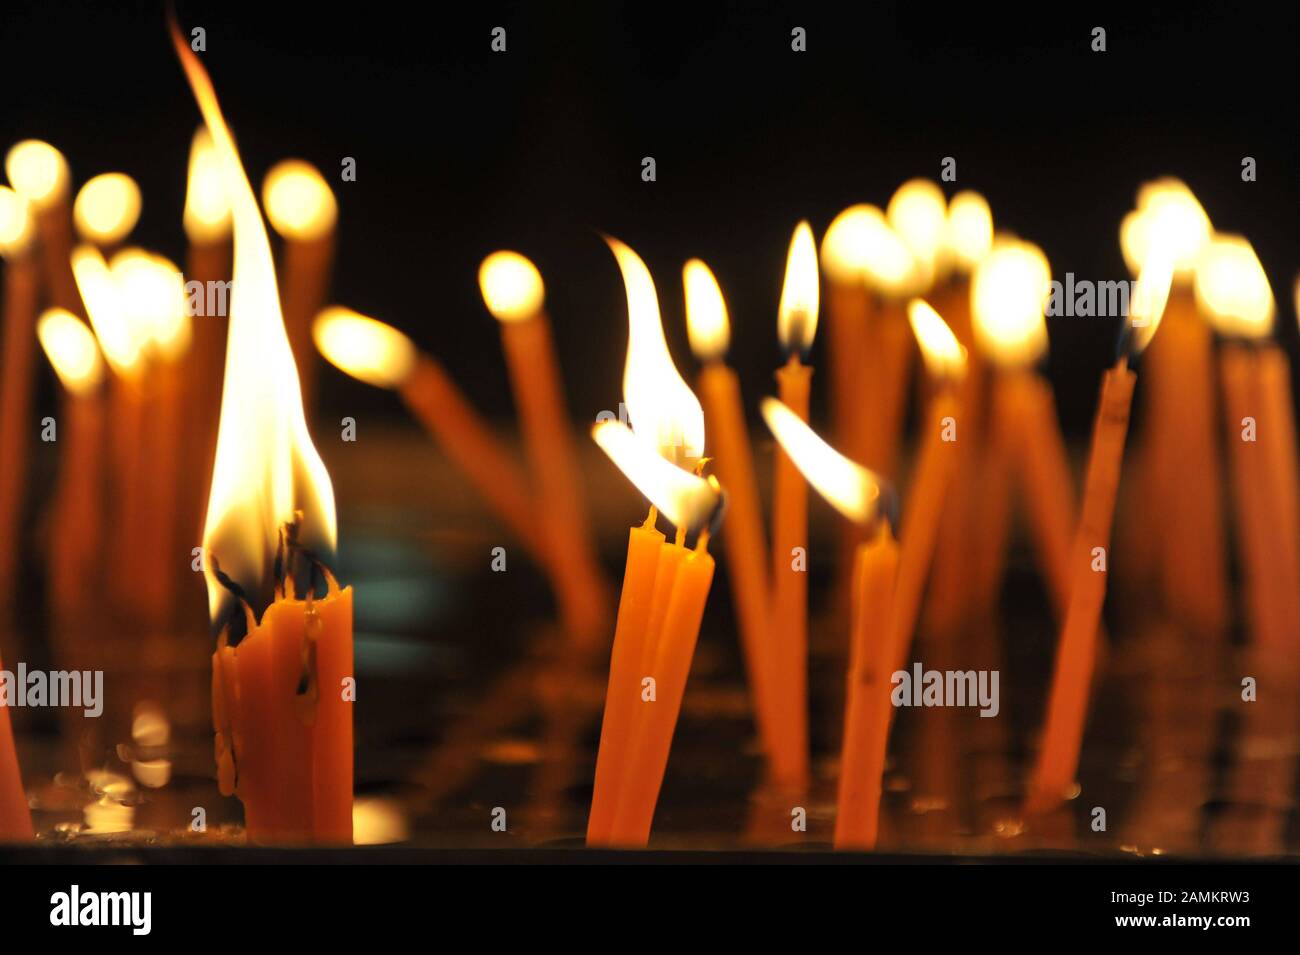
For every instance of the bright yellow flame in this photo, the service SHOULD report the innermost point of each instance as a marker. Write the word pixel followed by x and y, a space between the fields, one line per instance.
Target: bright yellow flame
pixel 1232 289
pixel 38 171
pixel 118 336
pixel 660 404
pixel 1168 218
pixel 364 348
pixel 707 325
pixel 152 293
pixel 686 500
pixel 107 208
pixel 1009 291
pixel 511 286
pixel 860 246
pixel 944 355
pixel 1150 296
pixel 267 468
pixel 918 212
pixel 15 223
pixel 797 315
pixel 969 231
pixel 70 347
pixel 298 201
pixel 849 487
pixel 207 209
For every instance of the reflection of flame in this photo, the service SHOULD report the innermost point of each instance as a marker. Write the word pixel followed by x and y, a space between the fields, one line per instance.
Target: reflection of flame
pixel 364 348
pixel 944 355
pixel 70 347
pixel 706 312
pixel 511 286
pixel 1232 289
pixel 686 500
pixel 849 487
pixel 1008 294
pixel 266 465
pixel 663 409
pixel 797 315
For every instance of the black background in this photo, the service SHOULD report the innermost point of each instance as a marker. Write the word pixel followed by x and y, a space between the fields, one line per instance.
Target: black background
pixel 460 150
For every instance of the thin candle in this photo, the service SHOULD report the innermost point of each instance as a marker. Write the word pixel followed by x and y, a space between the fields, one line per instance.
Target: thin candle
pixel 40 174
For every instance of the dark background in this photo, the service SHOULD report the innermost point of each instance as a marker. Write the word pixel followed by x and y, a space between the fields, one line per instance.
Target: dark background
pixel 461 150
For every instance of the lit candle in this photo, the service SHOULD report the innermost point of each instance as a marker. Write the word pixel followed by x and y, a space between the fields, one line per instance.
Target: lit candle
pixel 15 816
pixel 1067 708
pixel 380 355
pixel 282 694
pixel 1233 292
pixel 797 324
pixel 512 289
pixel 106 209
pixel 17 326
pixel 39 173
pixel 744 539
pixel 1181 485
pixel 303 211
pixel 857 494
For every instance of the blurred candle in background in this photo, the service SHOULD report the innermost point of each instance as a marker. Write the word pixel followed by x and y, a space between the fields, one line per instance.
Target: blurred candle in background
pixel 39 173
pixel 106 209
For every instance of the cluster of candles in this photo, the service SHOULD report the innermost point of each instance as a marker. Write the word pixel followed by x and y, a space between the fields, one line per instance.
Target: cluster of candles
pixel 926 273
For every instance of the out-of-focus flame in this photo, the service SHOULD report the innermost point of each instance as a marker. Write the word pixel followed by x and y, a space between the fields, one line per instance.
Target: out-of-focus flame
pixel 298 201
pixel 38 172
pixel 107 208
pixel 969 230
pixel 662 408
pixel 152 295
pixel 1169 219
pixel 850 488
pixel 364 348
pixel 860 246
pixel 70 347
pixel 207 209
pixel 1150 296
pixel 15 223
pixel 707 325
pixel 918 212
pixel 944 356
pixel 511 285
pixel 1232 289
pixel 797 315
pixel 688 501
pixel 1008 294
pixel 119 338
pixel 267 470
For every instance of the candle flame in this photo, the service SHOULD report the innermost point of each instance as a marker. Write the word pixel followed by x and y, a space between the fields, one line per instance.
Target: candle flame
pixel 38 172
pixel 1008 294
pixel 945 358
pixel 797 315
pixel 662 408
pixel 1168 218
pixel 298 201
pixel 511 285
pixel 107 208
pixel 15 223
pixel 918 212
pixel 707 324
pixel 860 246
pixel 687 500
pixel 70 347
pixel 118 336
pixel 850 488
pixel 1232 289
pixel 207 208
pixel 1150 297
pixel 363 347
pixel 152 294
pixel 267 470
pixel 969 229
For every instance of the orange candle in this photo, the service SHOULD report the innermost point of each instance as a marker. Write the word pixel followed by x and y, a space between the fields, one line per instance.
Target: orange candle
pixel 15 816
pixel 512 289
pixel 857 494
pixel 17 328
pixel 282 695
pixel 39 173
pixel 789 676
pixel 302 209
